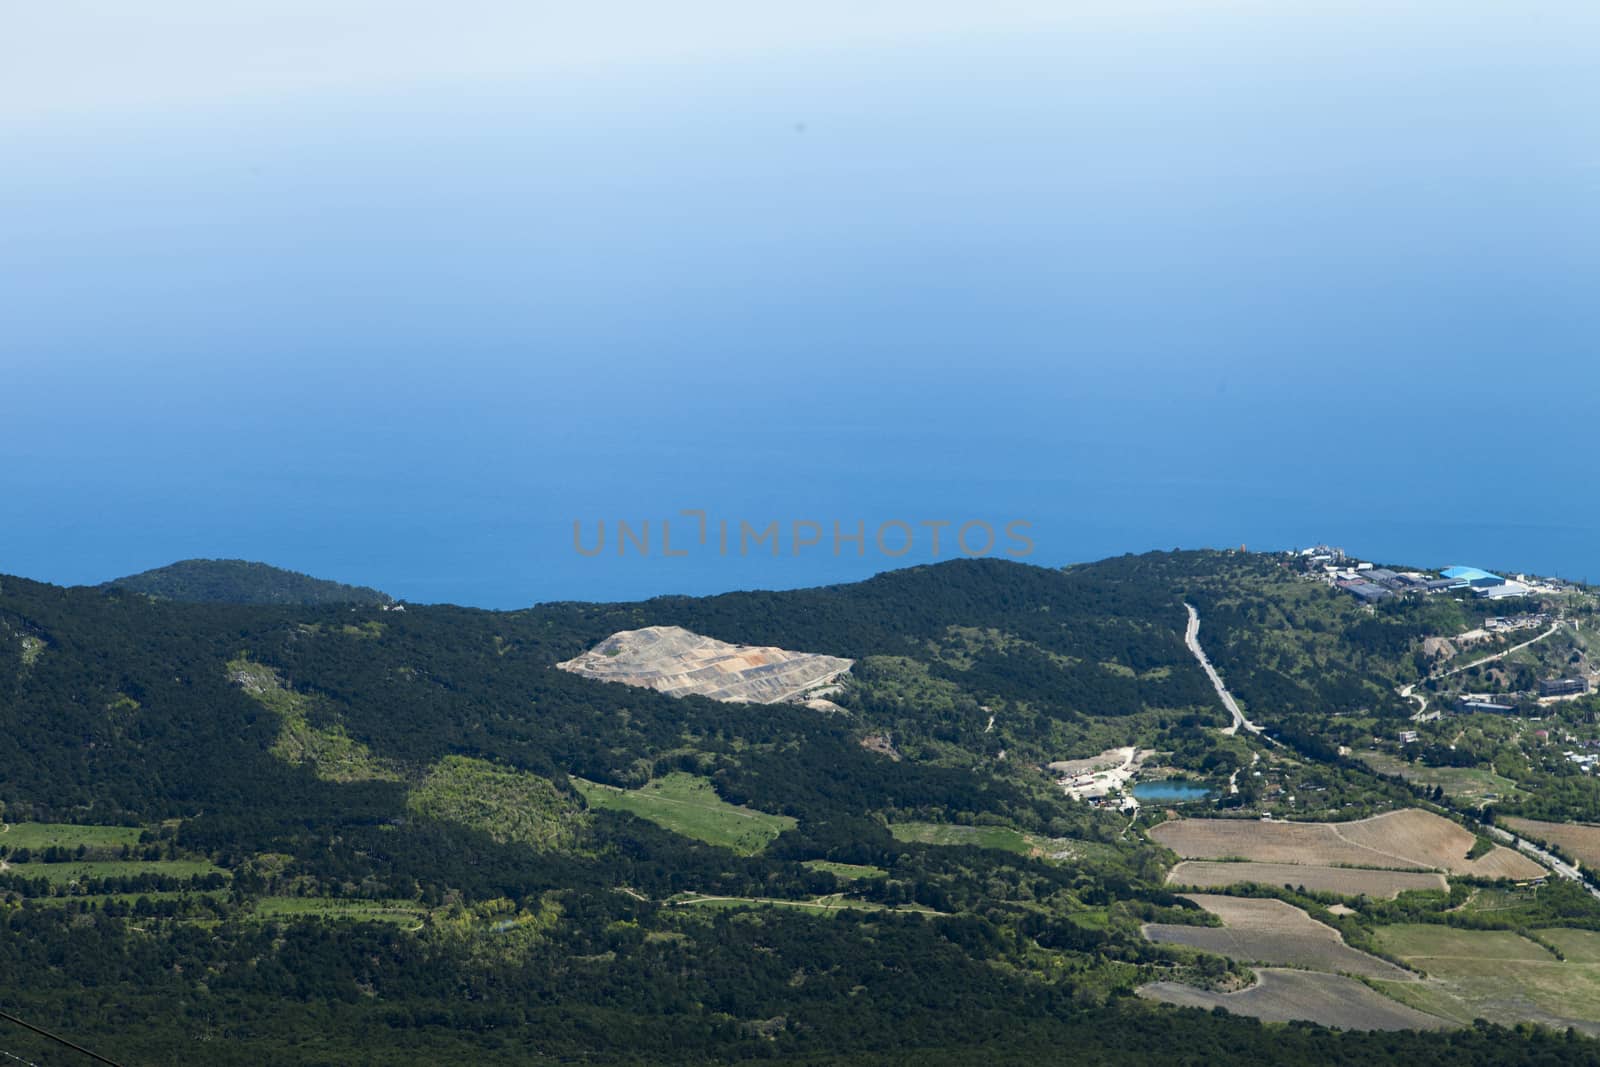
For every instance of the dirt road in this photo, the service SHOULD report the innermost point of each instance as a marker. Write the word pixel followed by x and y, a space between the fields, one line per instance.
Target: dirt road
pixel 1502 655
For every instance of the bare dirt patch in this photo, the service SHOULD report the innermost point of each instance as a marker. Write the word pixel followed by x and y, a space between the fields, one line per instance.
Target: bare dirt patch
pixel 679 662
pixel 1281 995
pixel 1105 761
pixel 1270 931
pixel 882 744
pixel 1345 881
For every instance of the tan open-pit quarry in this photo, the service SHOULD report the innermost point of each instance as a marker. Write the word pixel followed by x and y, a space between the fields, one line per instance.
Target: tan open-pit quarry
pixel 679 662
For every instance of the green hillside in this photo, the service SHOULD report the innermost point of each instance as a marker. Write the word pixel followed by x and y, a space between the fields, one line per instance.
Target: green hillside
pixel 306 834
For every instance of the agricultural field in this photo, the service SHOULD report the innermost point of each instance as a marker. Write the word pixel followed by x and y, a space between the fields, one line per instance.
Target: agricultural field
pixel 1269 842
pixel 1284 995
pixel 42 835
pixel 1579 946
pixel 1499 975
pixel 1271 932
pixel 1411 839
pixel 1345 881
pixel 1579 840
pixel 689 805
pixel 1471 785
pixel 1434 841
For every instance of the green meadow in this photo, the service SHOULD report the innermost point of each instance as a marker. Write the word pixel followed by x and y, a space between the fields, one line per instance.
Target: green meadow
pixel 689 805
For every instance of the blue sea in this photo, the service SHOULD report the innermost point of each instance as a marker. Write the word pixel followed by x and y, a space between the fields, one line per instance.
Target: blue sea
pixel 1267 276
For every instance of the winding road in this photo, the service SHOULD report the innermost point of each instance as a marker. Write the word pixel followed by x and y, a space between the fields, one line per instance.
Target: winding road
pixel 1191 637
pixel 1555 626
pixel 1408 692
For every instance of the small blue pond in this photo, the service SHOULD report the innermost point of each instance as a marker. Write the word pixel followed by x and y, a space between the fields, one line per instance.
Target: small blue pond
pixel 1171 790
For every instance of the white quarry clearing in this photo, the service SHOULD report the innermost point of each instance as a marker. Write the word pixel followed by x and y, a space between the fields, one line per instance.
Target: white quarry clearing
pixel 679 662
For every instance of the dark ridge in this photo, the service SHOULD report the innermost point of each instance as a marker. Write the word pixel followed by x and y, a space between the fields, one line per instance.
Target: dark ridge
pixel 237 581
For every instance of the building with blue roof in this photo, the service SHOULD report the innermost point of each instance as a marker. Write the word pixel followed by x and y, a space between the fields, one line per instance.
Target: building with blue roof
pixel 1473 577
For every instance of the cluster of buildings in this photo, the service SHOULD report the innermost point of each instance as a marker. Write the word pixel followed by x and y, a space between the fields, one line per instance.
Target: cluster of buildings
pixel 1585 760
pixel 1484 584
pixel 1507 624
pixel 1371 584
pixel 1103 780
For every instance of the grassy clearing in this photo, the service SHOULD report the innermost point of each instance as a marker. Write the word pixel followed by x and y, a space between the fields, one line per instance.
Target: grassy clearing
pixel 832 903
pixel 849 871
pixel 63 873
pixel 32 648
pixel 1003 838
pixel 333 754
pixel 1492 899
pixel 1580 946
pixel 1483 949
pixel 129 899
pixel 689 805
pixel 399 912
pixel 508 805
pixel 41 835
pixel 1473 785
pixel 931 833
pixel 1500 976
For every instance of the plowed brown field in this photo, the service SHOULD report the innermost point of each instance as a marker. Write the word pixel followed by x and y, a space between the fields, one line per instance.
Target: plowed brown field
pixel 1411 839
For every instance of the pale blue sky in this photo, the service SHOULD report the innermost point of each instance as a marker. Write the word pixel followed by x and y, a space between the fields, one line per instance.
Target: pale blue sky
pixel 83 58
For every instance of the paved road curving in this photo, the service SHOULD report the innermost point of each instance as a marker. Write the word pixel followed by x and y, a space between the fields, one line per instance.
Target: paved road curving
pixel 1191 637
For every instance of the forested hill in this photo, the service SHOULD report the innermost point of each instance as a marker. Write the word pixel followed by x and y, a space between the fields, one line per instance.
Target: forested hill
pixel 329 833
pixel 237 581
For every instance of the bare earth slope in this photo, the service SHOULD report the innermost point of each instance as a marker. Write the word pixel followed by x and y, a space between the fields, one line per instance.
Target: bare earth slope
pixel 1407 840
pixel 679 662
